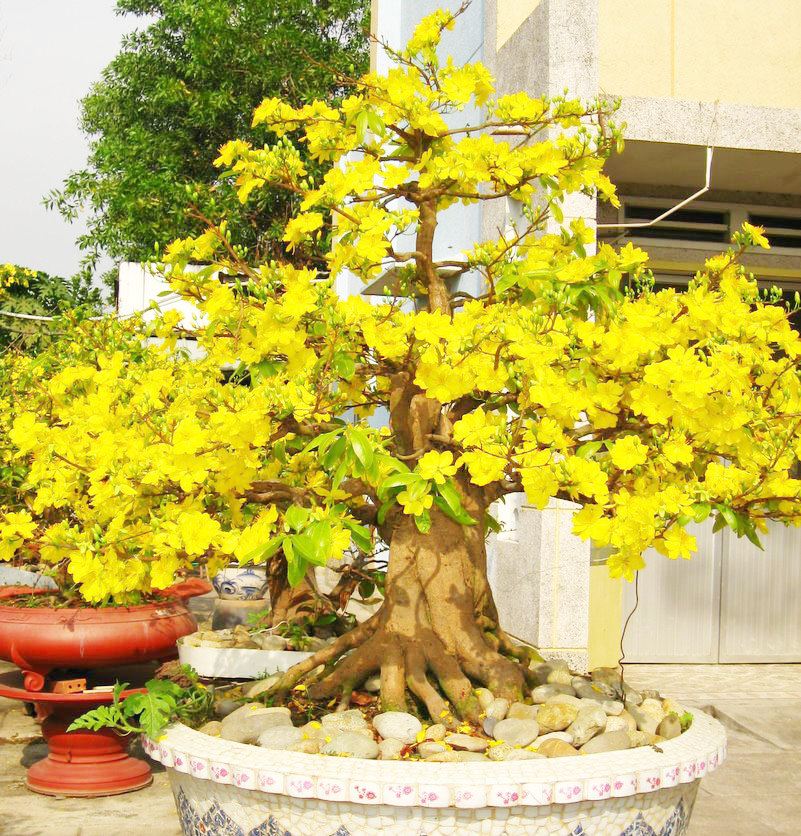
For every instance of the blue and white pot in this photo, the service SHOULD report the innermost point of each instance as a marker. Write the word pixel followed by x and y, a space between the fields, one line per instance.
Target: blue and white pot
pixel 223 788
pixel 243 583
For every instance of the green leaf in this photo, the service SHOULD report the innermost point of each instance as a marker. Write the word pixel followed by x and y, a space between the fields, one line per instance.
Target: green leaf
pixel 295 565
pixel 702 511
pixel 344 365
pixel 423 522
pixel 314 544
pixel 492 524
pixel 155 707
pixel 296 517
pixel 451 504
pixel 335 454
pixel 384 510
pixel 322 442
pixel 265 551
pixel 395 481
pixel 360 534
pixel 588 449
pixel 361 446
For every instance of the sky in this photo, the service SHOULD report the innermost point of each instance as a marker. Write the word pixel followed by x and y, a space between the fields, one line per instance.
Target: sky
pixel 51 51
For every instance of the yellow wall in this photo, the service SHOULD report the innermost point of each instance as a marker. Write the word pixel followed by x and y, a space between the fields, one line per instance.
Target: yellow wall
pixel 511 16
pixel 606 614
pixel 734 51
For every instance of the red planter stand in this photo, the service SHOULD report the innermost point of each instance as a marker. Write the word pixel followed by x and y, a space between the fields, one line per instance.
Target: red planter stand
pixel 80 763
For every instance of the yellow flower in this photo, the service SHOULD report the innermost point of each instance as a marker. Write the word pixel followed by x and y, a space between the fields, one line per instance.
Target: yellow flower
pixel 412 504
pixel 628 452
pixel 437 466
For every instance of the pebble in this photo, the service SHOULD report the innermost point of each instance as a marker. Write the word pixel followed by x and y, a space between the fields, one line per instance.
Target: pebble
pixel 436 732
pixel 671 706
pixel 607 742
pixel 397 725
pixel 267 642
pixel 560 676
pixel 313 730
pixel 430 747
pixel 614 724
pixel 213 727
pixel 542 693
pixel 468 742
pixel 589 722
pixel 596 691
pixel 670 727
pixel 262 685
pixel 508 752
pixel 280 737
pixel 556 716
pixel 390 750
pixel 521 711
pixel 646 721
pixel 641 738
pixel 373 684
pixel 485 697
pixel 554 735
pixel 308 747
pixel 609 707
pixel 456 757
pixel 244 728
pixel 630 722
pixel 565 699
pixel 517 732
pixel 224 707
pixel 351 743
pixel 349 720
pixel 652 706
pixel 254 709
pixel 497 709
pixel 650 694
pixel 556 749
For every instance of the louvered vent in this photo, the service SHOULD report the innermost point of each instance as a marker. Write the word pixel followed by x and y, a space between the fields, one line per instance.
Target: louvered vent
pixel 695 224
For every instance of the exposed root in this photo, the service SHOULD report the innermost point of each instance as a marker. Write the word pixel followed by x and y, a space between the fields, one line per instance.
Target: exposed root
pixel 324 656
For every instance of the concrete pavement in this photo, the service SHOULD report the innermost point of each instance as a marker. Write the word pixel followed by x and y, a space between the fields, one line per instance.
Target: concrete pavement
pixel 754 793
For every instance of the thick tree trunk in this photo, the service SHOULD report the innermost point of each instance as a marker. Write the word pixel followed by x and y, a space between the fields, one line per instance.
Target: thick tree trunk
pixel 435 637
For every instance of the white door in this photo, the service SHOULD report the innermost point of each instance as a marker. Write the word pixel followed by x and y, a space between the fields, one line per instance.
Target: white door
pixel 730 603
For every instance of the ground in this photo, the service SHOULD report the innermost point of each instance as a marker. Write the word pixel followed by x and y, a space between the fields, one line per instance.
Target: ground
pixel 754 792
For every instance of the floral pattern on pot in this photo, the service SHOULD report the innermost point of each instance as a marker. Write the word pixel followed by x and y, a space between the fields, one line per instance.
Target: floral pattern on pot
pixel 244 583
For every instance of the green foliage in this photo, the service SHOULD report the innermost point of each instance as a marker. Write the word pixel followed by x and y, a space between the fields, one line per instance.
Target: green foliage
pixel 36 293
pixel 182 85
pixel 150 711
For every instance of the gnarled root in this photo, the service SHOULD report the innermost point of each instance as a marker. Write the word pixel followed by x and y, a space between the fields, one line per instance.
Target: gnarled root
pixel 427 639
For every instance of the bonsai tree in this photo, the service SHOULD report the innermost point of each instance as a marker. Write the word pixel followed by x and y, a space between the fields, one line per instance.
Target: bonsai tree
pixel 390 427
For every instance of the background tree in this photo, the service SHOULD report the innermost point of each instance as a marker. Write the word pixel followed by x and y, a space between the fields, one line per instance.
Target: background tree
pixel 36 293
pixel 181 86
pixel 649 410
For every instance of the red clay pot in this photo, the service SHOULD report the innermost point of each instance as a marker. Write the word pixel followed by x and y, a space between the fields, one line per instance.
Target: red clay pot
pixel 39 639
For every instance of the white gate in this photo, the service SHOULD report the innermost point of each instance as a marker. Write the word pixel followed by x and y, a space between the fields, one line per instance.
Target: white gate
pixel 730 603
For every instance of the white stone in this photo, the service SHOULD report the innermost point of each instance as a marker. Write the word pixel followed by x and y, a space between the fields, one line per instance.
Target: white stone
pixel 351 743
pixel 542 693
pixel 590 721
pixel 468 742
pixel 521 711
pixel 390 750
pixel 344 721
pixel 280 737
pixel 397 725
pixel 516 732
pixel 484 697
pixel 497 709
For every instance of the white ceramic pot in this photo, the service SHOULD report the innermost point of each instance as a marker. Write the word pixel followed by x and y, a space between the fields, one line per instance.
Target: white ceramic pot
pixel 246 583
pixel 237 662
pixel 230 789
